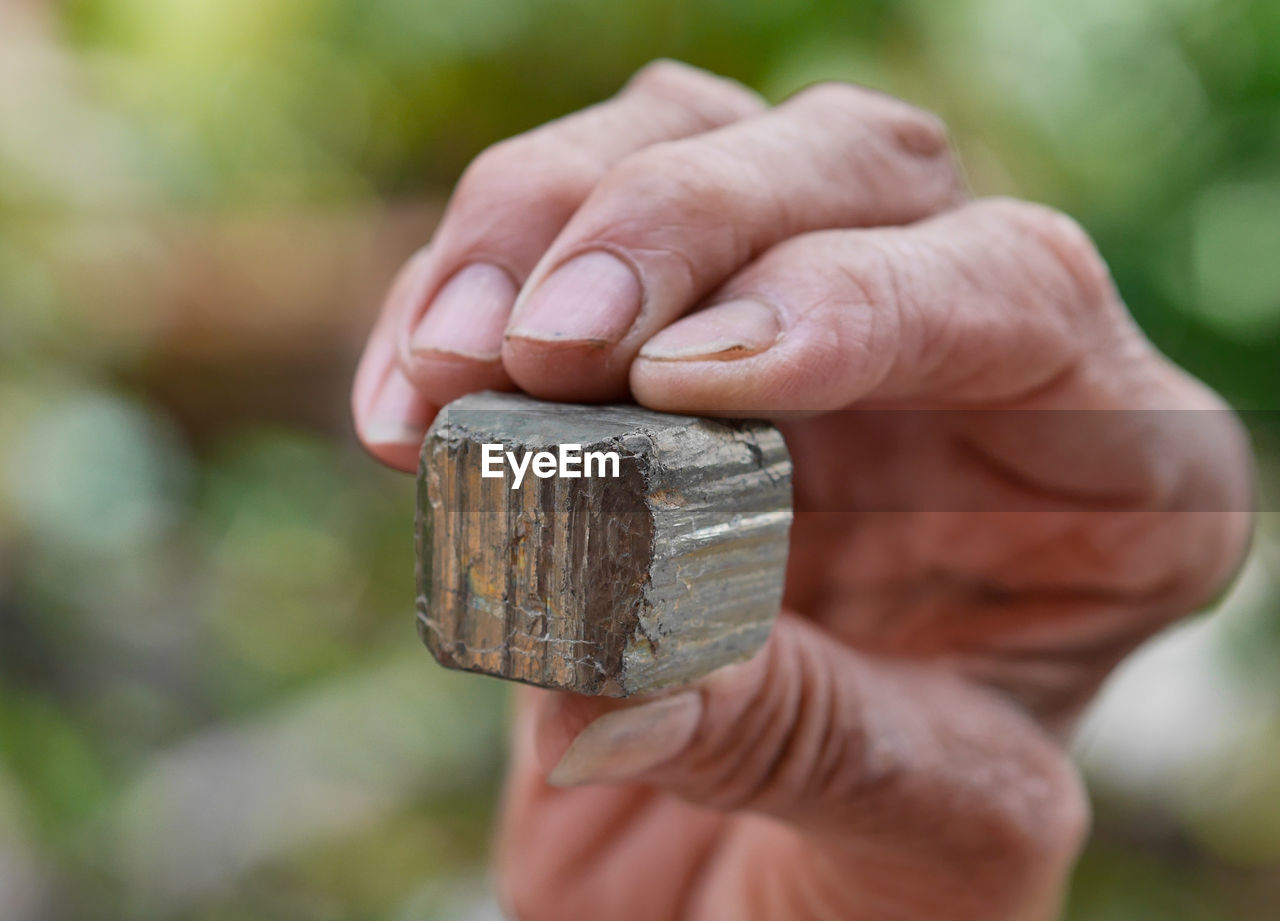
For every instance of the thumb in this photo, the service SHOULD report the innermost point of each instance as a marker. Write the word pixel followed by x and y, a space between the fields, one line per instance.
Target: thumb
pixel 910 760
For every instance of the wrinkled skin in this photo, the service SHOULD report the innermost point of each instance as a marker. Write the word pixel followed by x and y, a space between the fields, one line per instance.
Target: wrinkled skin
pixel 961 580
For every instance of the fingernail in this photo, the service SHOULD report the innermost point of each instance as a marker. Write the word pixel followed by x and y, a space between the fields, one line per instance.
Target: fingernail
pixel 398 414
pixel 594 297
pixel 468 315
pixel 734 329
pixel 625 743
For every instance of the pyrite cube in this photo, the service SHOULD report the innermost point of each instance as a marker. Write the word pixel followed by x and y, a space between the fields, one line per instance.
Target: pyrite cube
pixel 600 584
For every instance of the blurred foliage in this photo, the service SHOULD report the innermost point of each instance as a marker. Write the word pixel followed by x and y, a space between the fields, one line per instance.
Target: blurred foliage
pixel 211 702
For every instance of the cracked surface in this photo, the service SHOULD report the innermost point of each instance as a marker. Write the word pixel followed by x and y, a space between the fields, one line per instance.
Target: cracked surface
pixel 600 585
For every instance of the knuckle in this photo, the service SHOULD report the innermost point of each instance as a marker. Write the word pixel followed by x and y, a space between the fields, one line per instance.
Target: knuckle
pixel 920 131
pixel 832 93
pixel 1212 496
pixel 495 164
pixel 668 74
pixel 1228 532
pixel 912 129
pixel 719 98
pixel 1066 246
pixel 890 138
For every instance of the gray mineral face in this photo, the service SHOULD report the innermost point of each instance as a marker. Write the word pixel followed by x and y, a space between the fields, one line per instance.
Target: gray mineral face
pixel 601 584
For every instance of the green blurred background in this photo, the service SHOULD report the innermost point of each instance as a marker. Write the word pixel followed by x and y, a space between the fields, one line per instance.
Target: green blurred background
pixel 212 702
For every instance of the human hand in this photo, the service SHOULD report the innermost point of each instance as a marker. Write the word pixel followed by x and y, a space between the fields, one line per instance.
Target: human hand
pixel 1026 503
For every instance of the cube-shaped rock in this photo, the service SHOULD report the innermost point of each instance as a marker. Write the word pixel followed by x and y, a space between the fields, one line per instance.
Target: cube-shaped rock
pixel 600 549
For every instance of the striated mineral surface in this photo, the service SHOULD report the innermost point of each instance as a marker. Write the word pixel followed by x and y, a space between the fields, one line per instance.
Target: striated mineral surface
pixel 598 583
